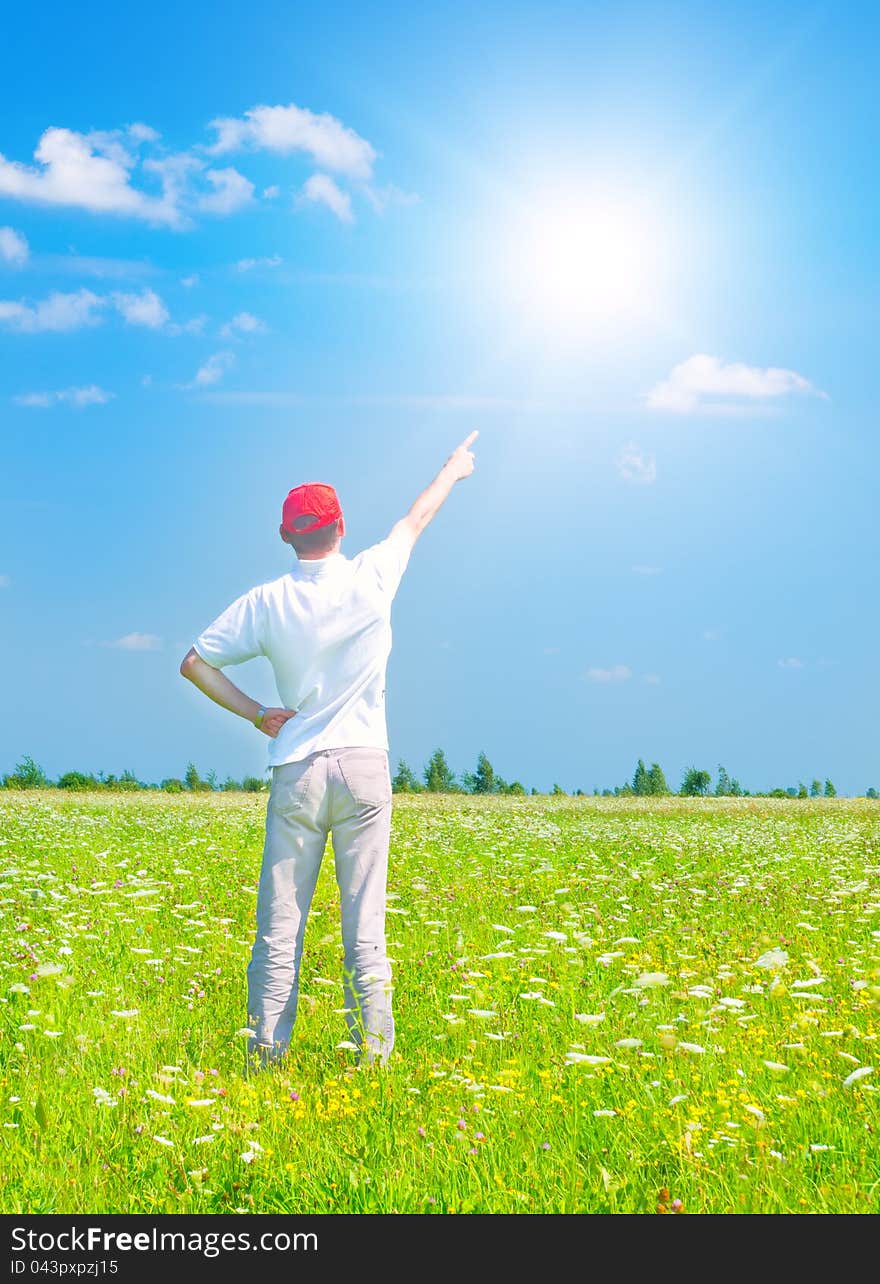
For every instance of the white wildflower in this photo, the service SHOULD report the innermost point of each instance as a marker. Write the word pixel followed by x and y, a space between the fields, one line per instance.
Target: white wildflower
pixel 861 1073
pixel 650 980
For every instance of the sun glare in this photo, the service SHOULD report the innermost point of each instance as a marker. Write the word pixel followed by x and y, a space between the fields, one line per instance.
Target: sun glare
pixel 575 261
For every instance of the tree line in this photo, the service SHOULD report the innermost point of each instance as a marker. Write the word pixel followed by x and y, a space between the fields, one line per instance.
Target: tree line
pixel 437 777
pixel 30 775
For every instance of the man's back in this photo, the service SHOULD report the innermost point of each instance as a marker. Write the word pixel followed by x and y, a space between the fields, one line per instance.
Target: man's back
pixel 325 627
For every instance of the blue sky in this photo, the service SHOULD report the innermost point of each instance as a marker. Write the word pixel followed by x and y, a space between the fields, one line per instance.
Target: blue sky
pixel 634 244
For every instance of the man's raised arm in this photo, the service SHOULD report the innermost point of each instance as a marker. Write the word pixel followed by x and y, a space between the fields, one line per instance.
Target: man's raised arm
pixel 459 465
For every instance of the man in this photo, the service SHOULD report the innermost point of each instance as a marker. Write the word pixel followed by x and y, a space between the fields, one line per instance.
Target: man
pixel 325 628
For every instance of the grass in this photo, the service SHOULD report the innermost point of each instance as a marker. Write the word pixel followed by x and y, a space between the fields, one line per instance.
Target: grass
pixel 602 1006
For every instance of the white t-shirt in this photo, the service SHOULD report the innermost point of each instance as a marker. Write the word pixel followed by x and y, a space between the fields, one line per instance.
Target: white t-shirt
pixel 325 627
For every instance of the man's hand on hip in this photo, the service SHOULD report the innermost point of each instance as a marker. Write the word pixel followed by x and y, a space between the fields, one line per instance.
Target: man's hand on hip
pixel 274 720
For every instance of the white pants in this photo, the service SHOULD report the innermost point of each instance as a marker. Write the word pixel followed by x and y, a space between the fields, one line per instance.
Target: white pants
pixel 346 793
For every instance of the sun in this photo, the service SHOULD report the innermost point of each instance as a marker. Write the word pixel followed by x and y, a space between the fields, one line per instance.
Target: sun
pixel 578 259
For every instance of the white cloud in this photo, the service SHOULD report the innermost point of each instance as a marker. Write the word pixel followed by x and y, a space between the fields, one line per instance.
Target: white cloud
pixel 647 570
pixel 702 382
pixel 91 395
pixel 86 171
pixel 189 281
pixel 243 323
pixel 652 679
pixel 711 635
pixel 213 370
pixel 141 133
pixel 92 265
pixel 321 189
pixel 382 198
pixel 232 191
pixel 331 144
pixel 617 673
pixel 247 265
pixel 58 312
pixel 13 247
pixel 451 402
pixel 136 642
pixel 792 662
pixel 255 398
pixel 5 581
pixel 41 399
pixel 175 172
pixel 189 186
pixel 195 325
pixel 128 173
pixel 636 466
pixel 64 312
pixel 145 309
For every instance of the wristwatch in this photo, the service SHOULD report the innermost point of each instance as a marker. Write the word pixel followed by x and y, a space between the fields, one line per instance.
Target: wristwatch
pixel 261 713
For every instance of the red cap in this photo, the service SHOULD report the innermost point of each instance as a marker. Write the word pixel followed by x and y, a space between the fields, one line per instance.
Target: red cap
pixel 316 500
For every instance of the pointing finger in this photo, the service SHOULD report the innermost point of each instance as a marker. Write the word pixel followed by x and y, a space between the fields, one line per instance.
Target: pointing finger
pixel 468 441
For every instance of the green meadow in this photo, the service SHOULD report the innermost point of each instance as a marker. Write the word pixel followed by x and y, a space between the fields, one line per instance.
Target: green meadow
pixel 602 1005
